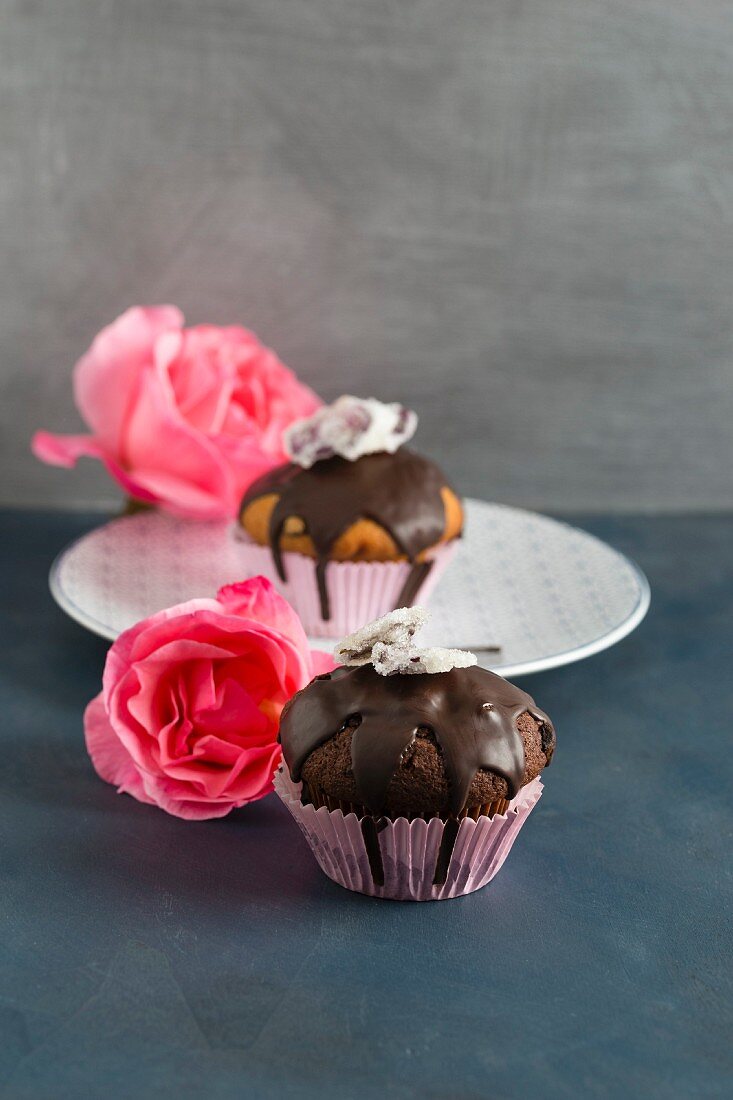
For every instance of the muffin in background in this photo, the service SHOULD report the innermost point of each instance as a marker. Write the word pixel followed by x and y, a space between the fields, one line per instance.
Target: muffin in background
pixel 355 524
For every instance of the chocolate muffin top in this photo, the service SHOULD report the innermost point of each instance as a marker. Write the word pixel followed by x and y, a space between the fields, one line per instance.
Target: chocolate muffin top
pixel 414 745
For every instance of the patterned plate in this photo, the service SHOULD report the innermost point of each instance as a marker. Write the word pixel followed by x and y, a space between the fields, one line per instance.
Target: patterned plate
pixel 546 593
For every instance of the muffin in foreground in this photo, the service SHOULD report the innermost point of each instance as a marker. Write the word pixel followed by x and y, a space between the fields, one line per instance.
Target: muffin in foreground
pixel 409 771
pixel 355 524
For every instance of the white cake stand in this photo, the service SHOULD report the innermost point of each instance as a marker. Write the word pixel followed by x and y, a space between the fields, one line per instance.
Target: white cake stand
pixel 546 593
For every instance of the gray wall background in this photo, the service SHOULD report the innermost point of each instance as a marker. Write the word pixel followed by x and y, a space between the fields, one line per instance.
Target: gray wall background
pixel 515 214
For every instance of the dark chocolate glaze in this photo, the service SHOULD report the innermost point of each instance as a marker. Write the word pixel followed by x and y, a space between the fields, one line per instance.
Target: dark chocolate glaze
pixel 472 712
pixel 447 844
pixel 400 492
pixel 370 832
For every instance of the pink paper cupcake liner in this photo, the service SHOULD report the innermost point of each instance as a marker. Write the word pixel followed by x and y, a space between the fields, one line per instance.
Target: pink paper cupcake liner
pixel 409 856
pixel 358 591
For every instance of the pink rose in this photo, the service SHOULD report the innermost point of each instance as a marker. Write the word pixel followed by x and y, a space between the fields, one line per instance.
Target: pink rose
pixel 190 707
pixel 182 418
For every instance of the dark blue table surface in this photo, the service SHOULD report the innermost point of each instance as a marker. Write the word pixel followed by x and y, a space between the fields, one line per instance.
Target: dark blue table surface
pixel 145 956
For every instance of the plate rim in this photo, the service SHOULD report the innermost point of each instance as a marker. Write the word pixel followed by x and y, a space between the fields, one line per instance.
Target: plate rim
pixel 518 668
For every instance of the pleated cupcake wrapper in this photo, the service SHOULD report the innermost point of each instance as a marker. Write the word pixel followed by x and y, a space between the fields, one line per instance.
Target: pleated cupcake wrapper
pixel 403 859
pixel 358 591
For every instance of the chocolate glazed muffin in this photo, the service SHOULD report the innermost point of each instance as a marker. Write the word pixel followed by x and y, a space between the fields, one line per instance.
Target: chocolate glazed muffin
pixel 380 507
pixel 455 744
pixel 448 745
pixel 353 495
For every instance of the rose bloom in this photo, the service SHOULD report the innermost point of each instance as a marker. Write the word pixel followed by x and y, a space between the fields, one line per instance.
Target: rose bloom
pixel 182 418
pixel 189 712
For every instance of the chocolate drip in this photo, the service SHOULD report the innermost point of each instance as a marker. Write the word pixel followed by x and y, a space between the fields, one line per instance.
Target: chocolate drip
pixel 370 832
pixel 400 492
pixel 447 844
pixel 472 713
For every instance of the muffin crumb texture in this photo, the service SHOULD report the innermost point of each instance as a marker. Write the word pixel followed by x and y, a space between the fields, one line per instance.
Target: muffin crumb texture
pixel 449 744
pixel 419 786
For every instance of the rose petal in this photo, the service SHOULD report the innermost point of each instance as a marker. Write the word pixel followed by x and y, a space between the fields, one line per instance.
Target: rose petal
pixel 322 662
pixel 107 378
pixel 252 777
pixel 257 598
pixel 64 450
pixel 235 715
pixel 170 796
pixel 110 758
pixel 249 777
pixel 142 639
pixel 171 459
pixel 202 371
